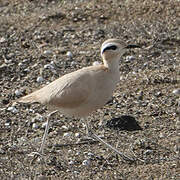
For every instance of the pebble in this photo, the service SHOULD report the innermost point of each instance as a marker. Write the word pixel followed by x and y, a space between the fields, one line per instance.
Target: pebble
pixel 75 172
pixel 52 63
pixel 77 153
pixel 145 64
pixel 177 148
pixel 66 134
pixel 44 125
pixel 37 118
pixel 18 92
pixel 47 52
pixel 169 52
pixel 48 66
pixel 147 152
pixel 2 39
pixel 22 140
pixel 64 127
pixel 10 56
pixel 77 135
pixel 7 61
pixel 27 70
pixel 12 109
pixel 25 60
pixel 20 64
pixel 31 110
pixel 71 162
pixel 178 124
pixel 90 154
pixel 35 126
pixel 70 151
pixel 161 135
pixel 69 54
pixel 86 162
pixel 73 63
pixel 130 58
pixel 8 122
pixel 39 79
pixel 176 91
pixel 95 63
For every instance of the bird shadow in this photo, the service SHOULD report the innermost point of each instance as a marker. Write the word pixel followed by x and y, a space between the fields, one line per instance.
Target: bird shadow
pixel 124 122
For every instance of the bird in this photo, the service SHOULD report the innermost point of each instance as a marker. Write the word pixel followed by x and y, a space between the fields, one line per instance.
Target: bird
pixel 82 92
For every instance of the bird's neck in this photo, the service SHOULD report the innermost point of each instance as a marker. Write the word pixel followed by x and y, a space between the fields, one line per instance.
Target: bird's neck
pixel 112 65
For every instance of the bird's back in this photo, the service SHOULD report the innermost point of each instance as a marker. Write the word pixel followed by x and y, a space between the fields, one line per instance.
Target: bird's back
pixel 77 93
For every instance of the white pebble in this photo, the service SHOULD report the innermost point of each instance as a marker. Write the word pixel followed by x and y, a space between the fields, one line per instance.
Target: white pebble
pixel 86 162
pixel 2 40
pixel 30 110
pixel 95 63
pixel 47 52
pixel 27 70
pixel 18 92
pixel 148 152
pixel 66 134
pixel 12 109
pixel 77 135
pixel 73 63
pixel 69 151
pixel 44 125
pixel 48 66
pixel 69 54
pixel 90 154
pixel 176 91
pixel 52 63
pixel 25 60
pixel 7 124
pixel 35 126
pixel 130 58
pixel 161 135
pixel 71 162
pixel 76 172
pixel 20 64
pixel 39 79
pixel 77 153
pixel 64 127
pixel 169 52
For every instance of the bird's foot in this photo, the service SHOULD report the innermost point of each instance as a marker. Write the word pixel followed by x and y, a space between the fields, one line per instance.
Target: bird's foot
pixel 36 155
pixel 94 136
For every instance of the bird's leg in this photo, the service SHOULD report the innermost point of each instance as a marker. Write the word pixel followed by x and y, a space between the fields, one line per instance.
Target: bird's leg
pixel 41 150
pixel 94 136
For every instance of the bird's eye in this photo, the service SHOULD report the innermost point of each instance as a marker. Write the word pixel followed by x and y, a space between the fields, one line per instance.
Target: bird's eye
pixel 112 47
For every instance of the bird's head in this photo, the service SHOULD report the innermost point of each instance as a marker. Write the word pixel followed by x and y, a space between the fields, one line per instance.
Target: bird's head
pixel 114 48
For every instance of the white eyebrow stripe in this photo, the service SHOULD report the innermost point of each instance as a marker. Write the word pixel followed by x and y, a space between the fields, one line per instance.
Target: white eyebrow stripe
pixel 107 45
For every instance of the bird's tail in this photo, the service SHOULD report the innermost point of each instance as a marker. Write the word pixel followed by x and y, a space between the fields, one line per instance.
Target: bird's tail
pixel 31 98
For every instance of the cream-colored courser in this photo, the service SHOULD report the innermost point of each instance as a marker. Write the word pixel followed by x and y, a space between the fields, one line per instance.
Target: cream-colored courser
pixel 81 92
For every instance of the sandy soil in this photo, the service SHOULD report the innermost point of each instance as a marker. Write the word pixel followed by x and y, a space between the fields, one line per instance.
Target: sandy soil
pixel 141 119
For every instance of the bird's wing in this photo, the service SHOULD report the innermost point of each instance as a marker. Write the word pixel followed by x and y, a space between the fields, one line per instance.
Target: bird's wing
pixel 68 91
pixel 73 91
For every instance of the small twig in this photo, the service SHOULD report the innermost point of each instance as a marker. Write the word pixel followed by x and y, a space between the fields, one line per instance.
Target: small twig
pixel 79 143
pixel 131 148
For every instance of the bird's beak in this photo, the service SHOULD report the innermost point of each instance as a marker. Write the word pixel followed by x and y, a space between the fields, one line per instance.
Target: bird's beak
pixel 130 46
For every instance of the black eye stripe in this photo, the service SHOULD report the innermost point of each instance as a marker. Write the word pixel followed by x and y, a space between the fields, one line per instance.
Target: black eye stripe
pixel 113 47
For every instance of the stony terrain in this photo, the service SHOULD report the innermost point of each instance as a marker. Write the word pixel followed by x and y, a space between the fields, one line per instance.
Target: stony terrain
pixel 42 40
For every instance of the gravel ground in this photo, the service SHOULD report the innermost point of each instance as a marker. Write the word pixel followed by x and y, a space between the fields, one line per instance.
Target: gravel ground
pixel 42 40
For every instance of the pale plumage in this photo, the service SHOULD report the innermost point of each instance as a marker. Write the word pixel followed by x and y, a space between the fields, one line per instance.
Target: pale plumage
pixel 81 92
